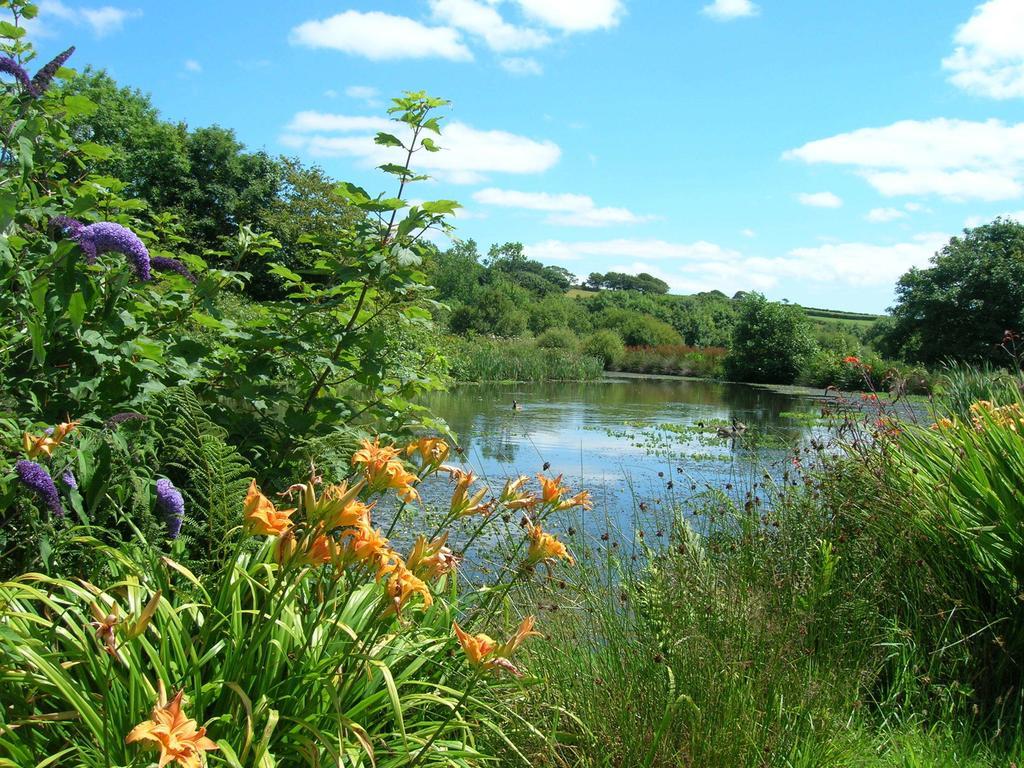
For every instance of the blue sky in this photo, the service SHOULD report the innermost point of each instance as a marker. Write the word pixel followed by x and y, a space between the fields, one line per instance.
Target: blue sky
pixel 811 150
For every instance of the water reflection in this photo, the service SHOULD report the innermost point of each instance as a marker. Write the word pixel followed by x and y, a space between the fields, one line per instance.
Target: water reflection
pixel 627 438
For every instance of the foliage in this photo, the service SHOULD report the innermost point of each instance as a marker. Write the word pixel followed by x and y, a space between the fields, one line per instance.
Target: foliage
pixel 313 642
pixel 606 345
pixel 961 306
pixel 677 360
pixel 638 330
pixel 619 281
pixel 487 359
pixel 558 338
pixel 770 342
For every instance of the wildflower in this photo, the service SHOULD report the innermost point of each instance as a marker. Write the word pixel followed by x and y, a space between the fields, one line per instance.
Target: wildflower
pixel 68 478
pixel 174 734
pixel 461 506
pixel 432 452
pixel 582 500
pixel 13 68
pixel 105 626
pixel 169 499
pixel 262 518
pixel 852 360
pixel 545 548
pixel 551 489
pixel 164 264
pixel 50 439
pixel 512 498
pixel 120 418
pixel 42 79
pixel 384 469
pixel 374 456
pixel 485 653
pixel 104 236
pixel 431 560
pixel 367 545
pixel 403 584
pixel 322 549
pixel 944 423
pixel 38 480
pixel 872 397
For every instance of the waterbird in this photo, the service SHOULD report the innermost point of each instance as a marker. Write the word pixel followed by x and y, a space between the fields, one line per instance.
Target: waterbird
pixel 516 406
pixel 737 429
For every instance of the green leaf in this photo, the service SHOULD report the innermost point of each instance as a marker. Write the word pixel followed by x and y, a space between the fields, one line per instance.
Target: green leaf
pixel 283 272
pixel 387 140
pixel 79 106
pixel 430 146
pixel 440 206
pixel 10 31
pixel 35 331
pixel 76 309
pixel 96 151
pixel 39 289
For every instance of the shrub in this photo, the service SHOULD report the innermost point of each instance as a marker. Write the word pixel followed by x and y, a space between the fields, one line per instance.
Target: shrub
pixel 606 345
pixel 770 342
pixel 638 330
pixel 558 338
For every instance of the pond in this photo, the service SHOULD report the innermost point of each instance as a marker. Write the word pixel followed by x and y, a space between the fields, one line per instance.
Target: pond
pixel 627 439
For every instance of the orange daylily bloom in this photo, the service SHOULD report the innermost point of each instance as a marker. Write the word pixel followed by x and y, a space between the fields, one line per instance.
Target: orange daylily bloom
pixel 512 498
pixel 545 548
pixel 45 443
pixel 402 585
pixel 262 517
pixel 551 489
pixel 368 546
pixel 484 652
pixel 432 451
pixel 581 499
pixel 174 734
pixel 461 506
pixel 431 560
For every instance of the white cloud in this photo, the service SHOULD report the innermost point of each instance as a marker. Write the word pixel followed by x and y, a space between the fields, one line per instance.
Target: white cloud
pixel 748 232
pixel 914 207
pixel 955 159
pixel 522 66
pixel 989 54
pixel 702 265
pixel 882 215
pixel 102 20
pixel 483 21
pixel 820 199
pixel 977 221
pixel 574 15
pixel 193 66
pixel 365 93
pixel 379 36
pixel 467 154
pixel 567 209
pixel 727 10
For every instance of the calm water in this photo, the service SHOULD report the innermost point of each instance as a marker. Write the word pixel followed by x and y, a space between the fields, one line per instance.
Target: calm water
pixel 626 439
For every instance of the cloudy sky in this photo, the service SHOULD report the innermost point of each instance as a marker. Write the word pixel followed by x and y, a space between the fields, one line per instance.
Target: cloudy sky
pixel 811 150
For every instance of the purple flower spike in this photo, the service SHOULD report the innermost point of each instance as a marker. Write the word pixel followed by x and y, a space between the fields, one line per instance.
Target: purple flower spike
pixel 120 418
pixel 44 76
pixel 104 236
pixel 68 478
pixel 66 227
pixel 39 481
pixel 164 264
pixel 11 67
pixel 169 499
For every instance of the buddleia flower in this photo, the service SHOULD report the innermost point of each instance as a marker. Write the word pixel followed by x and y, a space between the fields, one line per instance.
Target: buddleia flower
pixel 68 478
pixel 13 68
pixel 37 479
pixel 104 236
pixel 42 79
pixel 164 264
pixel 169 499
pixel 120 418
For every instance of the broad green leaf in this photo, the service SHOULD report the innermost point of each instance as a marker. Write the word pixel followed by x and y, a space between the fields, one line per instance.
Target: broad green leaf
pixel 76 309
pixel 79 106
pixel 440 206
pixel 387 140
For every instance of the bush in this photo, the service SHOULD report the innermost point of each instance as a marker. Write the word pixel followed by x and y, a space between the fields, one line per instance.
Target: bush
pixel 606 345
pixel 558 338
pixel 638 330
pixel 770 342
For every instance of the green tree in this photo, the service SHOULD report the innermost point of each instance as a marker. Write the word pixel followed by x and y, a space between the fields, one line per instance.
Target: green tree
pixel 770 342
pixel 960 306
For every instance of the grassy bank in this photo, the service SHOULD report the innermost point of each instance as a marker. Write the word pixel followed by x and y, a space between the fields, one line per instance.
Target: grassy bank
pixel 673 359
pixel 489 359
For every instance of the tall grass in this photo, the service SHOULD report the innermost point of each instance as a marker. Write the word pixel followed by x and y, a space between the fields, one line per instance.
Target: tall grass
pixel 674 359
pixel 486 359
pixel 963 385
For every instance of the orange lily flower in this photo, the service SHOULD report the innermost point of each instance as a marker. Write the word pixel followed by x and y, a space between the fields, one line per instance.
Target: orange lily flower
pixel 429 561
pixel 551 489
pixel 461 506
pixel 485 653
pixel 46 442
pixel 368 545
pixel 402 585
pixel 581 499
pixel 512 498
pixel 432 451
pixel 174 734
pixel 545 548
pixel 262 517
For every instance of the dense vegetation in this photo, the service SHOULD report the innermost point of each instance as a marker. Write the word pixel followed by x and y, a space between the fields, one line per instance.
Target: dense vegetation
pixel 161 361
